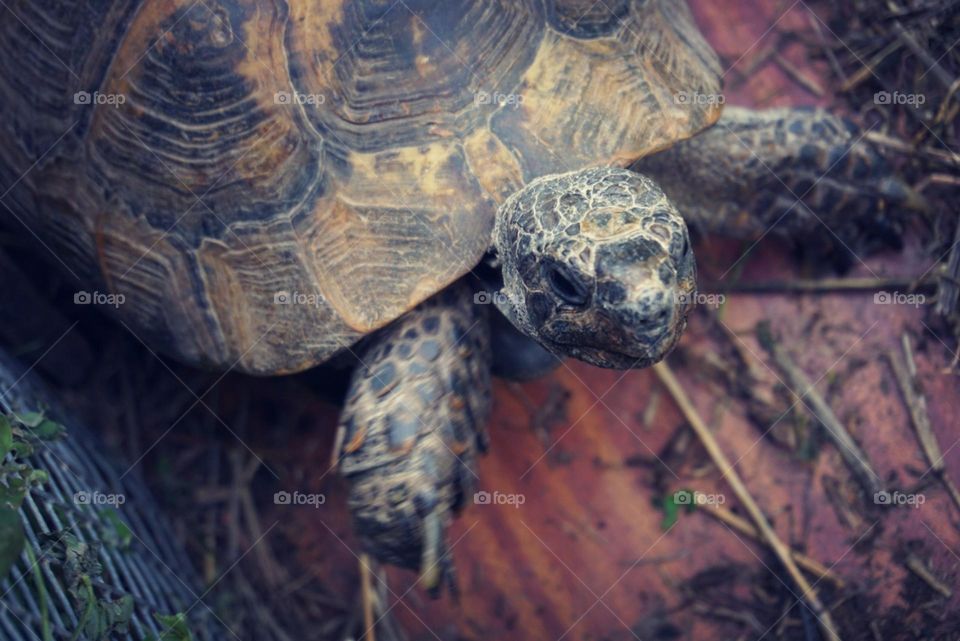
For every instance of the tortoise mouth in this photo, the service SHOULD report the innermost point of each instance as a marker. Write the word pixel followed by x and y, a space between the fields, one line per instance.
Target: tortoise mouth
pixel 610 358
pixel 636 353
pixel 613 359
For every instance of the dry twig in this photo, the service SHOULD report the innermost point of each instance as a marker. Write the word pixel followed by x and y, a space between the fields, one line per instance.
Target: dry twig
pixel 369 631
pixel 905 371
pixel 798 76
pixel 919 568
pixel 802 285
pixel 743 526
pixel 849 450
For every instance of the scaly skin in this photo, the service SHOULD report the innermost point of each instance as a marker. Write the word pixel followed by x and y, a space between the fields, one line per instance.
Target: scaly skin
pixel 783 170
pixel 411 427
pixel 596 265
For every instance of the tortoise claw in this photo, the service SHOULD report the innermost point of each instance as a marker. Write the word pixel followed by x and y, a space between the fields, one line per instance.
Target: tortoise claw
pixel 436 566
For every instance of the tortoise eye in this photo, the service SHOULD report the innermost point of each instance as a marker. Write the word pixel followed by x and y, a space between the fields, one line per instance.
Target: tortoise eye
pixel 565 286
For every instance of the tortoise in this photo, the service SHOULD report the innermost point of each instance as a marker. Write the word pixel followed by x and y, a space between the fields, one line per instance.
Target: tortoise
pixel 268 187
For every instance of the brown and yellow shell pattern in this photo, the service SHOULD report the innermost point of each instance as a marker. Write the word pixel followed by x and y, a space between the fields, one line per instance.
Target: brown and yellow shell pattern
pixel 267 182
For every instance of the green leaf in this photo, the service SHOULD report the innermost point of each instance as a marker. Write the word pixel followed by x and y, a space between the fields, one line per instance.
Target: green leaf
pixel 48 430
pixel 6 436
pixel 672 504
pixel 13 493
pixel 123 532
pixel 125 611
pixel 669 513
pixel 11 538
pixel 30 419
pixel 22 449
pixel 175 625
pixel 115 615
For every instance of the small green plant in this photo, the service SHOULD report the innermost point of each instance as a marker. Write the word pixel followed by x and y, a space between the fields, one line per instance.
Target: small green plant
pixel 77 565
pixel 176 628
pixel 104 610
pixel 672 504
pixel 119 533
pixel 19 435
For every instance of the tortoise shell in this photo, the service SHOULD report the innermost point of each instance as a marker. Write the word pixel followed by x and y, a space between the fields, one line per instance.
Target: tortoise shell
pixel 263 183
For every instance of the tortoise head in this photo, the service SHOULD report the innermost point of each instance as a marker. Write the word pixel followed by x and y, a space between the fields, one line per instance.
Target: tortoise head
pixel 596 265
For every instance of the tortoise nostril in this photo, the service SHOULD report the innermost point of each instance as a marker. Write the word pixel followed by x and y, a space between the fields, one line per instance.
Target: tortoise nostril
pixel 654 320
pixel 654 313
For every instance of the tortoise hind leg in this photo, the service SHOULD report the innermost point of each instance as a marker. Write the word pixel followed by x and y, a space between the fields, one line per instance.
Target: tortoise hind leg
pixel 804 173
pixel 411 428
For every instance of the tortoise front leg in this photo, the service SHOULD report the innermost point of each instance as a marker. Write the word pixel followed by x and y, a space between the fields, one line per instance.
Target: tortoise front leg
pixel 410 430
pixel 803 173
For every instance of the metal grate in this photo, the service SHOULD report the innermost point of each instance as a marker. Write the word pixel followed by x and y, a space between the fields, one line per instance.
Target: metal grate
pixel 153 569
